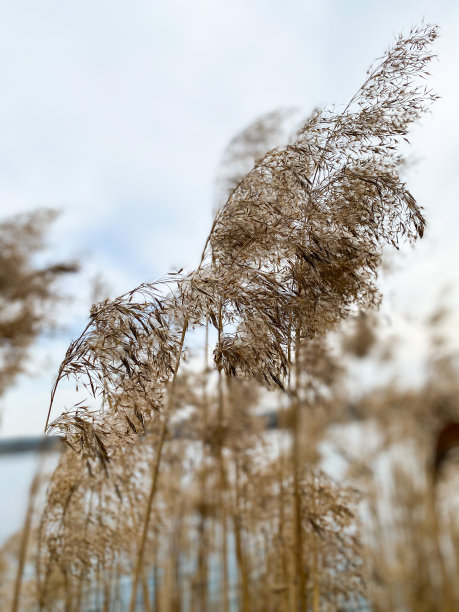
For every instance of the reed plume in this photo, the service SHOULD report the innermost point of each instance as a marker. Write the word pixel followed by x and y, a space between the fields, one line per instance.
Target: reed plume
pixel 295 248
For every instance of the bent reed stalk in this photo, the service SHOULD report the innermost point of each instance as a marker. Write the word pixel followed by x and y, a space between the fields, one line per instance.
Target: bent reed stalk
pixel 295 248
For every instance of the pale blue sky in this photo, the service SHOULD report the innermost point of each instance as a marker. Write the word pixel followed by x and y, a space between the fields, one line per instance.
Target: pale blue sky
pixel 117 113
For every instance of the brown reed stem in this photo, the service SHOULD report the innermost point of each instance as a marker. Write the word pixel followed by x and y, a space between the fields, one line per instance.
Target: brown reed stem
pixel 221 462
pixel 300 580
pixel 315 557
pixel 155 469
pixel 202 571
pixel 287 603
pixel 240 557
pixel 448 604
pixel 25 539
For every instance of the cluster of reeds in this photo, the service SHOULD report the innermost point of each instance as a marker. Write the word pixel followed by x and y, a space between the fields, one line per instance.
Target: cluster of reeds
pixel 404 459
pixel 221 534
pixel 172 494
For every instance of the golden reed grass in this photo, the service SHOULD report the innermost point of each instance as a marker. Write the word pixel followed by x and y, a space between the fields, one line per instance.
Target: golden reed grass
pixel 221 517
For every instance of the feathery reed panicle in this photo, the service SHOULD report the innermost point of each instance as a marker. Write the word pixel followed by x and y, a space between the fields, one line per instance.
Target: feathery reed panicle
pixel 124 359
pixel 249 146
pixel 296 246
pixel 299 240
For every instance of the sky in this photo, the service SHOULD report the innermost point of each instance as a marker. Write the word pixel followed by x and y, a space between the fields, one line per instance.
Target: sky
pixel 118 113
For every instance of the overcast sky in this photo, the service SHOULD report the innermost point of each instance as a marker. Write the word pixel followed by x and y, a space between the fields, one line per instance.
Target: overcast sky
pixel 117 113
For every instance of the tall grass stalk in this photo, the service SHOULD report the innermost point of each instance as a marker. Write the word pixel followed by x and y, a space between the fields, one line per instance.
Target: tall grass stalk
pixel 155 474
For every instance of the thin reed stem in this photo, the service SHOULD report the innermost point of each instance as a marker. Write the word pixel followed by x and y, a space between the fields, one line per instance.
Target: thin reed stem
pixel 26 531
pixel 155 470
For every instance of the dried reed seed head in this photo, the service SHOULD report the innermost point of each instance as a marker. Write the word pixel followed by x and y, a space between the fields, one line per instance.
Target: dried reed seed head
pixel 295 248
pixel 250 145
